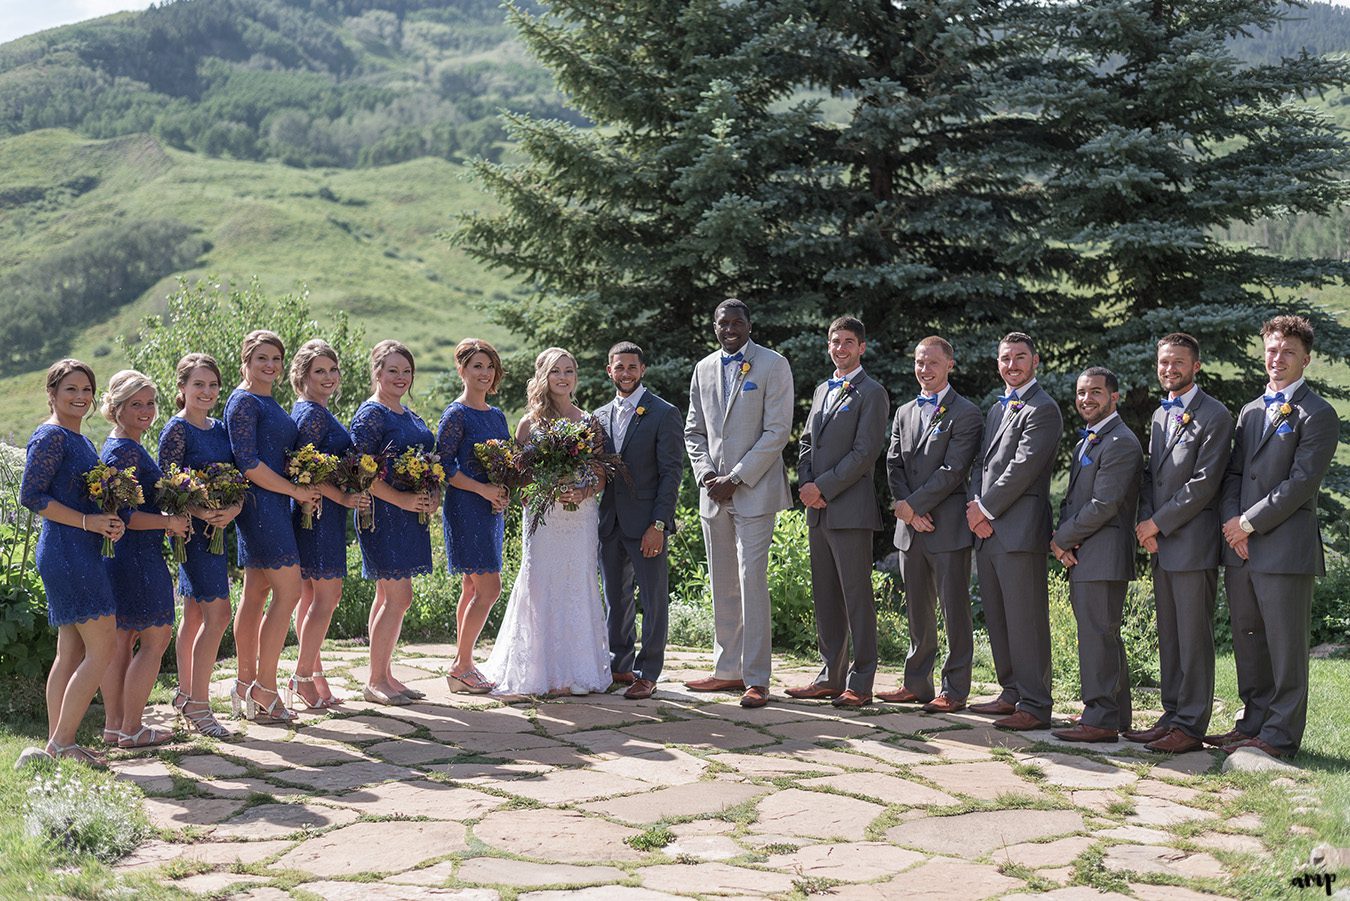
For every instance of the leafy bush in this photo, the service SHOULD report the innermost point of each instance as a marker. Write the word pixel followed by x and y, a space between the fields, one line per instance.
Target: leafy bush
pixel 27 644
pixel 83 813
pixel 1138 633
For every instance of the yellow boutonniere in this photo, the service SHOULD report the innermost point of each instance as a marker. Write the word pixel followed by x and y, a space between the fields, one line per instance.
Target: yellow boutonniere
pixel 745 367
pixel 1285 409
pixel 847 385
pixel 640 410
pixel 1184 419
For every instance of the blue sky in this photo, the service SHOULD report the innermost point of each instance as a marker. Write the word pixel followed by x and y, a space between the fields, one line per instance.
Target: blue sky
pixel 21 17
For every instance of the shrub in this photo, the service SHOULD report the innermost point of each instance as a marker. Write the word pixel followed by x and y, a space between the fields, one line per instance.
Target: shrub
pixel 84 813
pixel 1138 633
pixel 27 644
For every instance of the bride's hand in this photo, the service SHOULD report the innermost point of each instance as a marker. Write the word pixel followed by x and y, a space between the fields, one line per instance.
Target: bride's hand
pixel 572 496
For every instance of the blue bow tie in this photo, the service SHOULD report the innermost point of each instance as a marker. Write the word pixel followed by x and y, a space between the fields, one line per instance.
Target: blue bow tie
pixel 921 400
pixel 1008 398
pixel 1173 404
pixel 1084 433
pixel 732 358
pixel 831 384
pixel 1276 398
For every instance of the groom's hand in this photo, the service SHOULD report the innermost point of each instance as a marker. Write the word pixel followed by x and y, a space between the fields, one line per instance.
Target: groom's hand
pixel 653 542
pixel 721 488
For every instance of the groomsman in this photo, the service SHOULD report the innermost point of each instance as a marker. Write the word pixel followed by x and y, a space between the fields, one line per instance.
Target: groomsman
pixel 1009 512
pixel 1284 445
pixel 1190 439
pixel 934 439
pixel 845 433
pixel 635 519
pixel 1095 542
pixel 740 418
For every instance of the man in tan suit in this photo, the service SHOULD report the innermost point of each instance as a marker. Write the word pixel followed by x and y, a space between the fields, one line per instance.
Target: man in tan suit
pixel 740 418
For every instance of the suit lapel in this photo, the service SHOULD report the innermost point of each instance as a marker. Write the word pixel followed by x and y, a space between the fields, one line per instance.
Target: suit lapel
pixel 1083 448
pixel 1008 417
pixel 1157 440
pixel 738 377
pixel 840 400
pixel 934 422
pixel 1172 436
pixel 1268 430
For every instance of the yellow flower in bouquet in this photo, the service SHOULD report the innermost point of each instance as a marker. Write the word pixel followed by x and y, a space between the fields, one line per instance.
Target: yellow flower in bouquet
pixel 310 466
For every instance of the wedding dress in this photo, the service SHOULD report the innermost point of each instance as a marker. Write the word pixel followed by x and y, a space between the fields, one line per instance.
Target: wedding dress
pixel 553 635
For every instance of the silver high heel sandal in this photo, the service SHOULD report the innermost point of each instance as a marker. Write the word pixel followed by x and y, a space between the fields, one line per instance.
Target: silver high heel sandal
pixel 274 712
pixel 293 693
pixel 202 721
pixel 241 705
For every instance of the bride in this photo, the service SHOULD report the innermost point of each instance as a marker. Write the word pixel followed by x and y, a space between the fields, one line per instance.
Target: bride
pixel 553 637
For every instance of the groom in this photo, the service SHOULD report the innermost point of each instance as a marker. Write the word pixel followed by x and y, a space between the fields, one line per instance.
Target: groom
pixel 635 519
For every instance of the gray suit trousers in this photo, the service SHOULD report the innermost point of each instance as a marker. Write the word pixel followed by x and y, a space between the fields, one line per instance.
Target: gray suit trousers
pixel 738 568
pixel 1271 615
pixel 929 578
pixel 620 561
pixel 1185 602
pixel 841 589
pixel 1102 669
pixel 1016 597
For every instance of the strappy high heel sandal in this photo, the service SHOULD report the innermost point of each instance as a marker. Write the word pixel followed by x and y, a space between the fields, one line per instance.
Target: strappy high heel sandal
pixel 293 692
pixel 274 712
pixel 180 700
pixel 202 721
pixel 241 705
pixel 76 753
pixel 329 700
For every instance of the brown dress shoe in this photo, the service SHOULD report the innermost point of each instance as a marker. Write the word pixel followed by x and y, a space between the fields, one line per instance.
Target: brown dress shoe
pixel 1021 721
pixel 1227 738
pixel 755 696
pixel 944 704
pixel 814 692
pixel 1256 743
pixel 712 683
pixel 998 707
pixel 640 690
pixel 1175 742
pixel 1143 736
pixel 627 678
pixel 851 698
pixel 1084 732
pixel 901 695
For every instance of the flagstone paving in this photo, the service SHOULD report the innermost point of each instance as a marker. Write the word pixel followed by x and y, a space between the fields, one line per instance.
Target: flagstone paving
pixel 684 795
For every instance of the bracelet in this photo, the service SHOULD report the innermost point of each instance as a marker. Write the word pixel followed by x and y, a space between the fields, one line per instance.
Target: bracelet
pixel 83 517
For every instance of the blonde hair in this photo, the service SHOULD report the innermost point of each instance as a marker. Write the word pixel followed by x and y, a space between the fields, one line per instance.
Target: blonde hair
pixel 184 370
pixel 539 403
pixel 59 371
pixel 380 352
pixel 304 359
pixel 254 340
pixel 465 350
pixel 124 385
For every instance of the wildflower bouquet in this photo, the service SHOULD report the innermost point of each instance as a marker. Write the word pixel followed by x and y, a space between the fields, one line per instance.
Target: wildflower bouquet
pixel 178 490
pixel 501 461
pixel 225 487
pixel 309 466
pixel 418 470
pixel 563 454
pixel 112 489
pixel 355 473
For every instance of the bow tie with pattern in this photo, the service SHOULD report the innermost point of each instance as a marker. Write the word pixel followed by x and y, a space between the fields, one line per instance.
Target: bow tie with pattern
pixel 732 358
pixel 1176 404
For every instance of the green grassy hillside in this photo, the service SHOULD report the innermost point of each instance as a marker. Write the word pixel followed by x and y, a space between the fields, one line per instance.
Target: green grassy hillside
pixel 363 240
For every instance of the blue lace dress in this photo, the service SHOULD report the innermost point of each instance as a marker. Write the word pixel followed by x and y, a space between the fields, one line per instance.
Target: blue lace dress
pixel 68 558
pixel 261 432
pixel 205 576
pixel 473 533
pixel 400 546
pixel 139 575
pixel 323 549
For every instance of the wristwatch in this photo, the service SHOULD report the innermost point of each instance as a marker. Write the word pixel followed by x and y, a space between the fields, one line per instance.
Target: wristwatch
pixel 659 525
pixel 1245 524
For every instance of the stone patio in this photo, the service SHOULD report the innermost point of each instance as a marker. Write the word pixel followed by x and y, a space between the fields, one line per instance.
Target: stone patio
pixel 684 795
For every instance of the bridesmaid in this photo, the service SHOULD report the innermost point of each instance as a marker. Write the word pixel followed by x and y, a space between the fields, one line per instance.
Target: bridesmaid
pixel 260 435
pixel 80 602
pixel 323 549
pixel 191 440
pixel 473 522
pixel 140 578
pixel 400 546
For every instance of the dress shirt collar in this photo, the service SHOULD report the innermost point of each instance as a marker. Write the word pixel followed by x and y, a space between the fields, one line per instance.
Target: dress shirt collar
pixel 632 399
pixel 1022 392
pixel 1289 390
pixel 1189 397
pixel 1103 424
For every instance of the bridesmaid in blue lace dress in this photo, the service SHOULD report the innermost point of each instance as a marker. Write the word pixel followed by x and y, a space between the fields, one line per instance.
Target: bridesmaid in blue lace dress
pixel 260 435
pixel 315 376
pixel 140 578
pixel 473 521
pixel 191 440
pixel 400 546
pixel 80 603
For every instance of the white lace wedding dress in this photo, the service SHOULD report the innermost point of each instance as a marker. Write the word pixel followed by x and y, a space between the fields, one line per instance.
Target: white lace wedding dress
pixel 553 635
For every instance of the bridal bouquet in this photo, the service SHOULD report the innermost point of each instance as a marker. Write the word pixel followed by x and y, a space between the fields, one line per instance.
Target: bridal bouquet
pixel 501 461
pixel 309 466
pixel 563 454
pixel 418 470
pixel 225 487
pixel 178 490
pixel 355 473
pixel 112 489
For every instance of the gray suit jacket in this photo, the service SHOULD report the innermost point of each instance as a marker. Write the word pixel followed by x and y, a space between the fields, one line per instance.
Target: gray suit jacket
pixel 1181 485
pixel 745 435
pixel 1273 478
pixel 839 450
pixel 1011 475
pixel 930 468
pixel 653 450
pixel 1097 515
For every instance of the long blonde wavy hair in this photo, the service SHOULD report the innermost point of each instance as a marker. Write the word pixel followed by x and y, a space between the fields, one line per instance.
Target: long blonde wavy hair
pixel 539 403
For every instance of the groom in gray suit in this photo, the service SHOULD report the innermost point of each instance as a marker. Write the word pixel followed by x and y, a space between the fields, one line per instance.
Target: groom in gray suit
pixel 1095 542
pixel 1190 440
pixel 1009 512
pixel 740 418
pixel 845 433
pixel 1284 445
pixel 636 518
